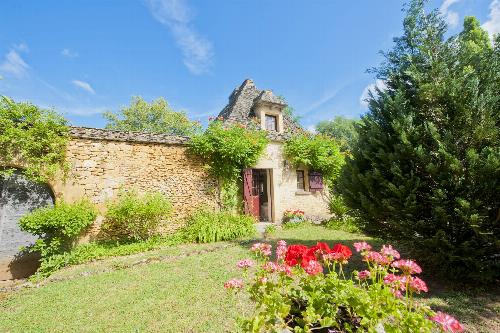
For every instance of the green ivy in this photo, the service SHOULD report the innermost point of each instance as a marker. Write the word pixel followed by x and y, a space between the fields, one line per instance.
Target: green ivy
pixel 227 150
pixel 32 138
pixel 316 152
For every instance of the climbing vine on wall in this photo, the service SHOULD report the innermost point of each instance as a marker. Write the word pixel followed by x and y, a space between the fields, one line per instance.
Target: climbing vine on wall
pixel 316 152
pixel 227 150
pixel 32 138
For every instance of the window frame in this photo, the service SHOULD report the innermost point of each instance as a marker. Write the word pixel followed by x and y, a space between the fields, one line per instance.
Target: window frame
pixel 303 183
pixel 275 118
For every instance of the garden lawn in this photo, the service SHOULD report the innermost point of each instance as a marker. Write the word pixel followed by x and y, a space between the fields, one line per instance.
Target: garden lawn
pixel 179 289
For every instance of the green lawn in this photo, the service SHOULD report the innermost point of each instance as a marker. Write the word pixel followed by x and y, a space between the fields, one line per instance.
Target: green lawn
pixel 178 289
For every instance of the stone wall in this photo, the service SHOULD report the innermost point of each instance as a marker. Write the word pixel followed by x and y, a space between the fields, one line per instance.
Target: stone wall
pixel 102 162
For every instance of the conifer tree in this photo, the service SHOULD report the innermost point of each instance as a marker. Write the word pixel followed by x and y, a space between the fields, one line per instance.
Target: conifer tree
pixel 426 168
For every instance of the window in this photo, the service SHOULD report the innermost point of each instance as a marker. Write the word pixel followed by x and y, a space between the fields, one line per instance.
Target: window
pixel 315 181
pixel 271 123
pixel 300 180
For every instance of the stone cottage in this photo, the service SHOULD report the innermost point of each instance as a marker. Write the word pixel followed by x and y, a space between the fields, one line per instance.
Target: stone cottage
pixel 104 161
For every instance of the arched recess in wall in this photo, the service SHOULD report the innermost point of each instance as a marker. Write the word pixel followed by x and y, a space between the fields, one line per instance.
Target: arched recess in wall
pixel 18 197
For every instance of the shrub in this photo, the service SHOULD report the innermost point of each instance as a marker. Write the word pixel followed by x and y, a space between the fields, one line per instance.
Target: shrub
pixel 270 230
pixel 426 169
pixel 57 227
pixel 207 226
pixel 305 290
pixel 137 217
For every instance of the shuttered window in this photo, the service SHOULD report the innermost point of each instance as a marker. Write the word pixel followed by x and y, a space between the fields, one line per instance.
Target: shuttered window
pixel 315 181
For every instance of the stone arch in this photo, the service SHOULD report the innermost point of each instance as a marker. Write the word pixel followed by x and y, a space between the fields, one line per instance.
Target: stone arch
pixel 18 197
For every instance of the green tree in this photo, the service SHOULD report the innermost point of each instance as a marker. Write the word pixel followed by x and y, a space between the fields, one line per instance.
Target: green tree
pixel 341 128
pixel 426 168
pixel 32 138
pixel 155 117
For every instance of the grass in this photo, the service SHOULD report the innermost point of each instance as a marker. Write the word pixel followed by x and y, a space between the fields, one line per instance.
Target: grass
pixel 179 289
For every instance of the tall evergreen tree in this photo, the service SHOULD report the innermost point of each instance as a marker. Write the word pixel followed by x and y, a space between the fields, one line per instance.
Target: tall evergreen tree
pixel 426 168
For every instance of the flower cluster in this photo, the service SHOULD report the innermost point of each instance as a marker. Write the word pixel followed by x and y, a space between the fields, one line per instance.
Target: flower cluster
pixel 290 213
pixel 305 280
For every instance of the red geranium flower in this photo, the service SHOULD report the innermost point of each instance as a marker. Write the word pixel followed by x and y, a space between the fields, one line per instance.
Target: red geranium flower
pixel 343 252
pixel 294 254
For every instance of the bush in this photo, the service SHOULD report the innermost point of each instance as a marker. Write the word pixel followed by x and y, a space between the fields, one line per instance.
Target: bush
pixel 305 290
pixel 426 169
pixel 136 217
pixel 207 227
pixel 57 227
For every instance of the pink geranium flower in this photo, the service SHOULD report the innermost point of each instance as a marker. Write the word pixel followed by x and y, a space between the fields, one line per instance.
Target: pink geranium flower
pixel 363 275
pixel 313 267
pixel 362 246
pixel 245 263
pixel 234 284
pixel 417 284
pixel 262 248
pixel 407 266
pixel 376 258
pixel 270 267
pixel 281 250
pixel 388 251
pixel 391 278
pixel 447 322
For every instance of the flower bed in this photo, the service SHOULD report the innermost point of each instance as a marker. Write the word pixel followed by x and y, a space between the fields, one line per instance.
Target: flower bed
pixel 304 289
pixel 293 218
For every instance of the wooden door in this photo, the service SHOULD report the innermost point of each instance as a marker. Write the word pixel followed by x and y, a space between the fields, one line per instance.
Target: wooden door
pixel 250 196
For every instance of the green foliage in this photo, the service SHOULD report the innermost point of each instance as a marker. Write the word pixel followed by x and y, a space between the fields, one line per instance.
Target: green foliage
pixel 155 117
pixel 340 128
pixel 426 169
pixel 317 152
pixel 227 150
pixel 136 217
pixel 32 138
pixel 346 223
pixel 207 227
pixel 57 227
pixel 98 250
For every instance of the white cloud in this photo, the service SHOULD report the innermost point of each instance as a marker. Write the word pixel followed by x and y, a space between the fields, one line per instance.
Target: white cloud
pixel 84 85
pixel 13 64
pixel 69 53
pixel 493 23
pixel 197 51
pixel 451 17
pixel 371 87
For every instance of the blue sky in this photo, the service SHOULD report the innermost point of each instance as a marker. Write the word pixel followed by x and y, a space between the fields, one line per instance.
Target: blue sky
pixel 83 57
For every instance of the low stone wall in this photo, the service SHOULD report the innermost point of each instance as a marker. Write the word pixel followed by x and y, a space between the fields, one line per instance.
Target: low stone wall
pixel 102 162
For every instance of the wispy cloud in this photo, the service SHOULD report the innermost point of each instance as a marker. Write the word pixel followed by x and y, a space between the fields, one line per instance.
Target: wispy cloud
pixel 363 99
pixel 84 85
pixel 493 23
pixel 69 53
pixel 176 15
pixel 14 65
pixel 327 96
pixel 451 17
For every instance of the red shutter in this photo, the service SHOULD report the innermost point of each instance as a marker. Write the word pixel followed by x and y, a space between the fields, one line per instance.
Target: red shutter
pixel 247 190
pixel 315 181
